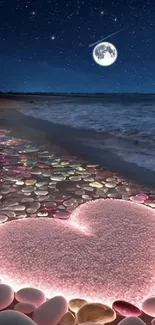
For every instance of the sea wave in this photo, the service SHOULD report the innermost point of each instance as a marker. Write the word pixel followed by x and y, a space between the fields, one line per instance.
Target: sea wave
pixel 128 128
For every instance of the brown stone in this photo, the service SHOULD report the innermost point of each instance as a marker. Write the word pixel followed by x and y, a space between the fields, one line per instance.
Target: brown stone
pixel 67 319
pixel 95 313
pixel 76 304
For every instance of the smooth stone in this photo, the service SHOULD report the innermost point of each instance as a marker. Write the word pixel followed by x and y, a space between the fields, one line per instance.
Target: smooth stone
pixel 18 208
pixel 6 296
pixel 31 295
pixel 96 184
pixel 142 196
pixel 30 182
pixel 110 179
pixel 95 313
pixel 41 193
pixel 42 214
pixel 64 215
pixel 75 178
pixel 47 173
pixel 1 197
pixel 124 308
pixel 51 311
pixel 67 319
pixel 68 203
pixel 11 214
pixel 88 188
pixel 149 203
pixel 58 178
pixel 19 183
pixel 110 184
pixel 35 172
pixel 148 306
pixel 131 321
pixel 153 322
pixel 11 317
pixel 27 199
pixel 20 216
pixel 41 184
pixel 3 218
pixel 27 194
pixel 43 198
pixel 25 308
pixel 50 205
pixel 88 179
pixel 80 192
pixel 28 189
pixel 86 197
pixel 136 199
pixel 75 304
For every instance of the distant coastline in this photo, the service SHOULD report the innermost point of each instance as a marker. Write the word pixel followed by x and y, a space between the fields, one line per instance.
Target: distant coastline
pixel 73 94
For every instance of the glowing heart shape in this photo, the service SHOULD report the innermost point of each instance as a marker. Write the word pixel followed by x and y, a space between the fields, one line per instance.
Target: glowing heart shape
pixel 104 252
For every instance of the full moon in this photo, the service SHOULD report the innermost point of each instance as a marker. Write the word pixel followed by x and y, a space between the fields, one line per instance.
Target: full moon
pixel 105 54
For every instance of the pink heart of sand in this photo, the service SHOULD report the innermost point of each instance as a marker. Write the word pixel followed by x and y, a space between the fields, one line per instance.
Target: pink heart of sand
pixel 104 252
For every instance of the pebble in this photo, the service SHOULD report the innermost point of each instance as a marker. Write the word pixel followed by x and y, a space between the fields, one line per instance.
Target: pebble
pixel 6 296
pixel 95 313
pixel 110 184
pixel 75 304
pixel 18 208
pixel 51 311
pixel 67 319
pixel 131 321
pixel 10 317
pixel 75 178
pixel 24 308
pixel 96 184
pixel 31 295
pixel 30 182
pixel 148 306
pixel 124 308
pixel 41 193
pixel 3 218
pixel 62 215
pixel 136 199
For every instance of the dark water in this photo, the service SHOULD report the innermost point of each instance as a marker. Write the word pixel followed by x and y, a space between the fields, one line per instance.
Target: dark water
pixel 127 121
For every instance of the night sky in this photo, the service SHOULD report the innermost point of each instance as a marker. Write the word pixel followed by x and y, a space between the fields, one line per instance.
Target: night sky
pixel 44 45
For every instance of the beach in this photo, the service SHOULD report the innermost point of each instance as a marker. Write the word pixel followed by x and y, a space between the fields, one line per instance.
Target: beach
pixel 70 167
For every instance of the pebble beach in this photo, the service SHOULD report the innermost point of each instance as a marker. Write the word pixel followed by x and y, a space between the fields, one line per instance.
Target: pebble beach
pixel 76 238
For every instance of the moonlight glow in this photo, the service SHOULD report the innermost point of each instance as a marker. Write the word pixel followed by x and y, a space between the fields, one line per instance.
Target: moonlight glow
pixel 105 54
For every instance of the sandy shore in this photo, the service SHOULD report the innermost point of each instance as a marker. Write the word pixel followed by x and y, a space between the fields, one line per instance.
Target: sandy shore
pixel 83 143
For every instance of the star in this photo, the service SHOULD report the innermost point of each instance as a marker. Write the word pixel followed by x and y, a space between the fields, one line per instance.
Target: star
pixel 52 38
pixel 33 13
pixel 101 12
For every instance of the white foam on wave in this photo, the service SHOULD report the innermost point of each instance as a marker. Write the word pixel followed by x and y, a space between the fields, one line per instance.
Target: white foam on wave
pixel 134 121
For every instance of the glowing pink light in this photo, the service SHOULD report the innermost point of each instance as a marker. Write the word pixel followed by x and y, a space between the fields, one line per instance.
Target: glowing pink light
pixel 110 258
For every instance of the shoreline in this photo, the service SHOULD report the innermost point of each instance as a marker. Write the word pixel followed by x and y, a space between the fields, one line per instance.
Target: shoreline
pixel 64 141
pixel 75 141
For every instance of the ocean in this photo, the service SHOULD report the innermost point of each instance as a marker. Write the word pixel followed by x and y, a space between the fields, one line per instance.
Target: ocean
pixel 126 122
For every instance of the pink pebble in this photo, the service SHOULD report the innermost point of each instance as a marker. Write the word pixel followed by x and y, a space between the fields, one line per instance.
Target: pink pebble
pixel 148 306
pixel 153 322
pixel 6 296
pixel 142 196
pixel 51 311
pixel 31 295
pixel 24 308
pixel 10 317
pixel 124 308
pixel 131 321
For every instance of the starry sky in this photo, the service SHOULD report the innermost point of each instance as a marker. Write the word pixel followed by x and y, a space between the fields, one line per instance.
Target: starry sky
pixel 44 45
